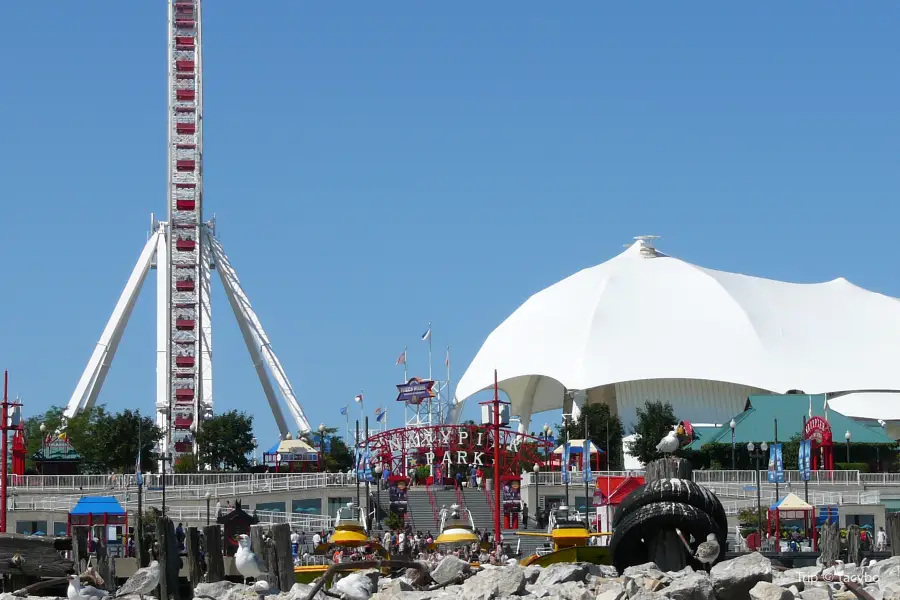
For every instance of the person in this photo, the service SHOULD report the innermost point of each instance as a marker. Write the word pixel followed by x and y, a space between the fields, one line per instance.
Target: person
pixel 881 540
pixel 218 508
pixel 180 536
pixel 525 515
pixel 317 539
pixel 295 543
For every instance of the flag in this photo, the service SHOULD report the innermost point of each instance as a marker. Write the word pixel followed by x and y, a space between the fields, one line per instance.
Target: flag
pixel 138 476
pixel 344 411
pixel 377 411
pixel 565 463
pixel 379 417
pixel 402 359
pixel 586 460
pixel 447 359
pixel 427 335
pixel 810 406
pixel 358 398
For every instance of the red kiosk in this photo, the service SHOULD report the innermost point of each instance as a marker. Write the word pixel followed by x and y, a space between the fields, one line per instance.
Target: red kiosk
pixel 792 507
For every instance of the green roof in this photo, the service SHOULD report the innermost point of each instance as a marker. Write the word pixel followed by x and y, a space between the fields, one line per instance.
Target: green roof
pixel 57 450
pixel 757 422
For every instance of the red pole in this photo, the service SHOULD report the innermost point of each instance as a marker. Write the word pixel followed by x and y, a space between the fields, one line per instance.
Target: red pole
pixel 4 453
pixel 496 465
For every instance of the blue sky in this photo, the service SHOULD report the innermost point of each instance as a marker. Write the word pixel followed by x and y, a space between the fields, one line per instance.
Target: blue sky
pixel 376 166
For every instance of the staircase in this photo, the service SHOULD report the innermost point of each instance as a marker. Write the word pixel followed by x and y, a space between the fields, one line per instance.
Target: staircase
pixel 480 505
pixel 420 515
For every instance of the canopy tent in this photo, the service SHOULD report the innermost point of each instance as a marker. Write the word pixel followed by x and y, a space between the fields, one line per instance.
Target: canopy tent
pixel 646 325
pixel 792 508
pixel 91 511
pixel 576 452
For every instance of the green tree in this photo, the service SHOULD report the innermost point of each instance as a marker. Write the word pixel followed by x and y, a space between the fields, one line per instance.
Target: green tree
pixel 186 464
pixel 224 441
pixel 340 458
pixel 98 437
pixel 654 421
pixel 600 422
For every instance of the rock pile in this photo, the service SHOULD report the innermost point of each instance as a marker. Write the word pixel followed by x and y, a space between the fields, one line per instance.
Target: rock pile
pixel 748 577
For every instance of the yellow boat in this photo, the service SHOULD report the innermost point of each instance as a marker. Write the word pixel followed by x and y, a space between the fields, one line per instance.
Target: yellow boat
pixel 570 537
pixel 457 528
pixel 350 532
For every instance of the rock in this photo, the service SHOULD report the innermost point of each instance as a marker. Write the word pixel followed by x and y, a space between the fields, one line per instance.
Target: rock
pixel 733 579
pixel 612 594
pixel 890 590
pixel 299 591
pixel 696 586
pixel 794 590
pixel 561 573
pixel 679 574
pixel 816 593
pixel 640 569
pixel 536 591
pixel 359 585
pixel 495 583
pixel 631 588
pixel 574 590
pixel 224 590
pixel 796 577
pixel 532 572
pixel 769 591
pixel 450 569
pixel 603 571
pixel 642 595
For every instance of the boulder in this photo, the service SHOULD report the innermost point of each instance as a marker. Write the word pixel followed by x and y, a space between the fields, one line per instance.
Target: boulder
pixel 532 572
pixel 816 593
pixel 695 586
pixel 561 573
pixel 733 579
pixel 451 568
pixel 769 591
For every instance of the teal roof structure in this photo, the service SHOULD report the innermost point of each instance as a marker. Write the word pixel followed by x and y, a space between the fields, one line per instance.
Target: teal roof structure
pixel 757 422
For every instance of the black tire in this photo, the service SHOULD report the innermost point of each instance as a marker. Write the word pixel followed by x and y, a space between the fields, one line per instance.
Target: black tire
pixel 674 490
pixel 628 547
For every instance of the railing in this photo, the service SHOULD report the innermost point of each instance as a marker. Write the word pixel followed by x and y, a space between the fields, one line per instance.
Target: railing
pixel 750 477
pixel 880 478
pixel 767 497
pixel 555 477
pixel 433 502
pixel 222 484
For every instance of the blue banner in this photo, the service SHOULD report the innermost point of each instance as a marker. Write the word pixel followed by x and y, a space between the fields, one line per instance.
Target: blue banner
pixel 776 464
pixel 367 473
pixel 565 463
pixel 805 459
pixel 586 461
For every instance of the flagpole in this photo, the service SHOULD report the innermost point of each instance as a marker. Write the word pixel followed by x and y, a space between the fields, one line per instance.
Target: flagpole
pixel 430 337
pixel 449 393
pixel 405 366
pixel 347 419
pixel 362 412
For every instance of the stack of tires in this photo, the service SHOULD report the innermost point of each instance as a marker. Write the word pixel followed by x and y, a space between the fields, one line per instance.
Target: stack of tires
pixel 665 504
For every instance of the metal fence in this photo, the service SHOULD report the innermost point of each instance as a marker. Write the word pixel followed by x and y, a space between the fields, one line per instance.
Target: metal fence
pixel 223 484
pixel 750 477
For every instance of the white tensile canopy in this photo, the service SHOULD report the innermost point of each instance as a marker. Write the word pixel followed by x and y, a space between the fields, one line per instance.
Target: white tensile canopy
pixel 646 316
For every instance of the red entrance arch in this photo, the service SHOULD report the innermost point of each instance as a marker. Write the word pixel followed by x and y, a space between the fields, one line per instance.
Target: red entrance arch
pixel 457 445
pixel 818 431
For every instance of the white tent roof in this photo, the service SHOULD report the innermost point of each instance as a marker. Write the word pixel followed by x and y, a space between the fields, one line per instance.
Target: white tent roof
pixel 643 315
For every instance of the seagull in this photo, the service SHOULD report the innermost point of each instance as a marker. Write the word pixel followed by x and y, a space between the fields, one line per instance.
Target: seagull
pixel 668 444
pixel 78 592
pixel 708 551
pixel 143 582
pixel 247 563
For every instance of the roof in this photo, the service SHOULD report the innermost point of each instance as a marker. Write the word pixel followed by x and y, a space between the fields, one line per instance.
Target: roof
pixel 292 446
pixel 757 423
pixel 577 447
pixel 791 502
pixel 98 505
pixel 56 450
pixel 643 315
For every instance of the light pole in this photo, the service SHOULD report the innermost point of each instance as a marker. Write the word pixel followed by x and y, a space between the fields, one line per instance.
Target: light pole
pixel 757 456
pixel 322 447
pixel 208 496
pixel 537 491
pixel 43 444
pixel 378 471
pixel 733 425
pixel 847 437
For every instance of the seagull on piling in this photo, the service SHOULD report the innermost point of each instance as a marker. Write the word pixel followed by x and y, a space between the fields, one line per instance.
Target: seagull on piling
pixel 708 551
pixel 143 582
pixel 246 561
pixel 668 444
pixel 76 591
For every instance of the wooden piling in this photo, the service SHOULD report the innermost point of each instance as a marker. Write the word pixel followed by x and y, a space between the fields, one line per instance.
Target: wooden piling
pixel 284 557
pixel 893 532
pixel 264 547
pixel 80 548
pixel 194 560
pixel 104 565
pixel 215 563
pixel 665 547
pixel 830 544
pixel 854 544
pixel 169 559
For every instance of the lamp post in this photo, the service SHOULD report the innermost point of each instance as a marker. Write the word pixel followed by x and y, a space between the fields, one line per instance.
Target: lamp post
pixel 43 444
pixel 207 496
pixel 536 469
pixel 322 447
pixel 847 437
pixel 733 425
pixel 757 455
pixel 378 471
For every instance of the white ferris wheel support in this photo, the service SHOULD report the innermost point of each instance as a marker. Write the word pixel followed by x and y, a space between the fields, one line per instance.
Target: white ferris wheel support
pixel 258 345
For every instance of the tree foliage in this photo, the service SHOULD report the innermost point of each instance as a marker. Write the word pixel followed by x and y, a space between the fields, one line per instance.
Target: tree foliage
pixel 600 423
pixel 654 421
pixel 225 441
pixel 340 458
pixel 107 442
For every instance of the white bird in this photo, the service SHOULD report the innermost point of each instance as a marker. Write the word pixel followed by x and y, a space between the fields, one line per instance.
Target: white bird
pixel 76 591
pixel 668 444
pixel 143 582
pixel 247 563
pixel 708 551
